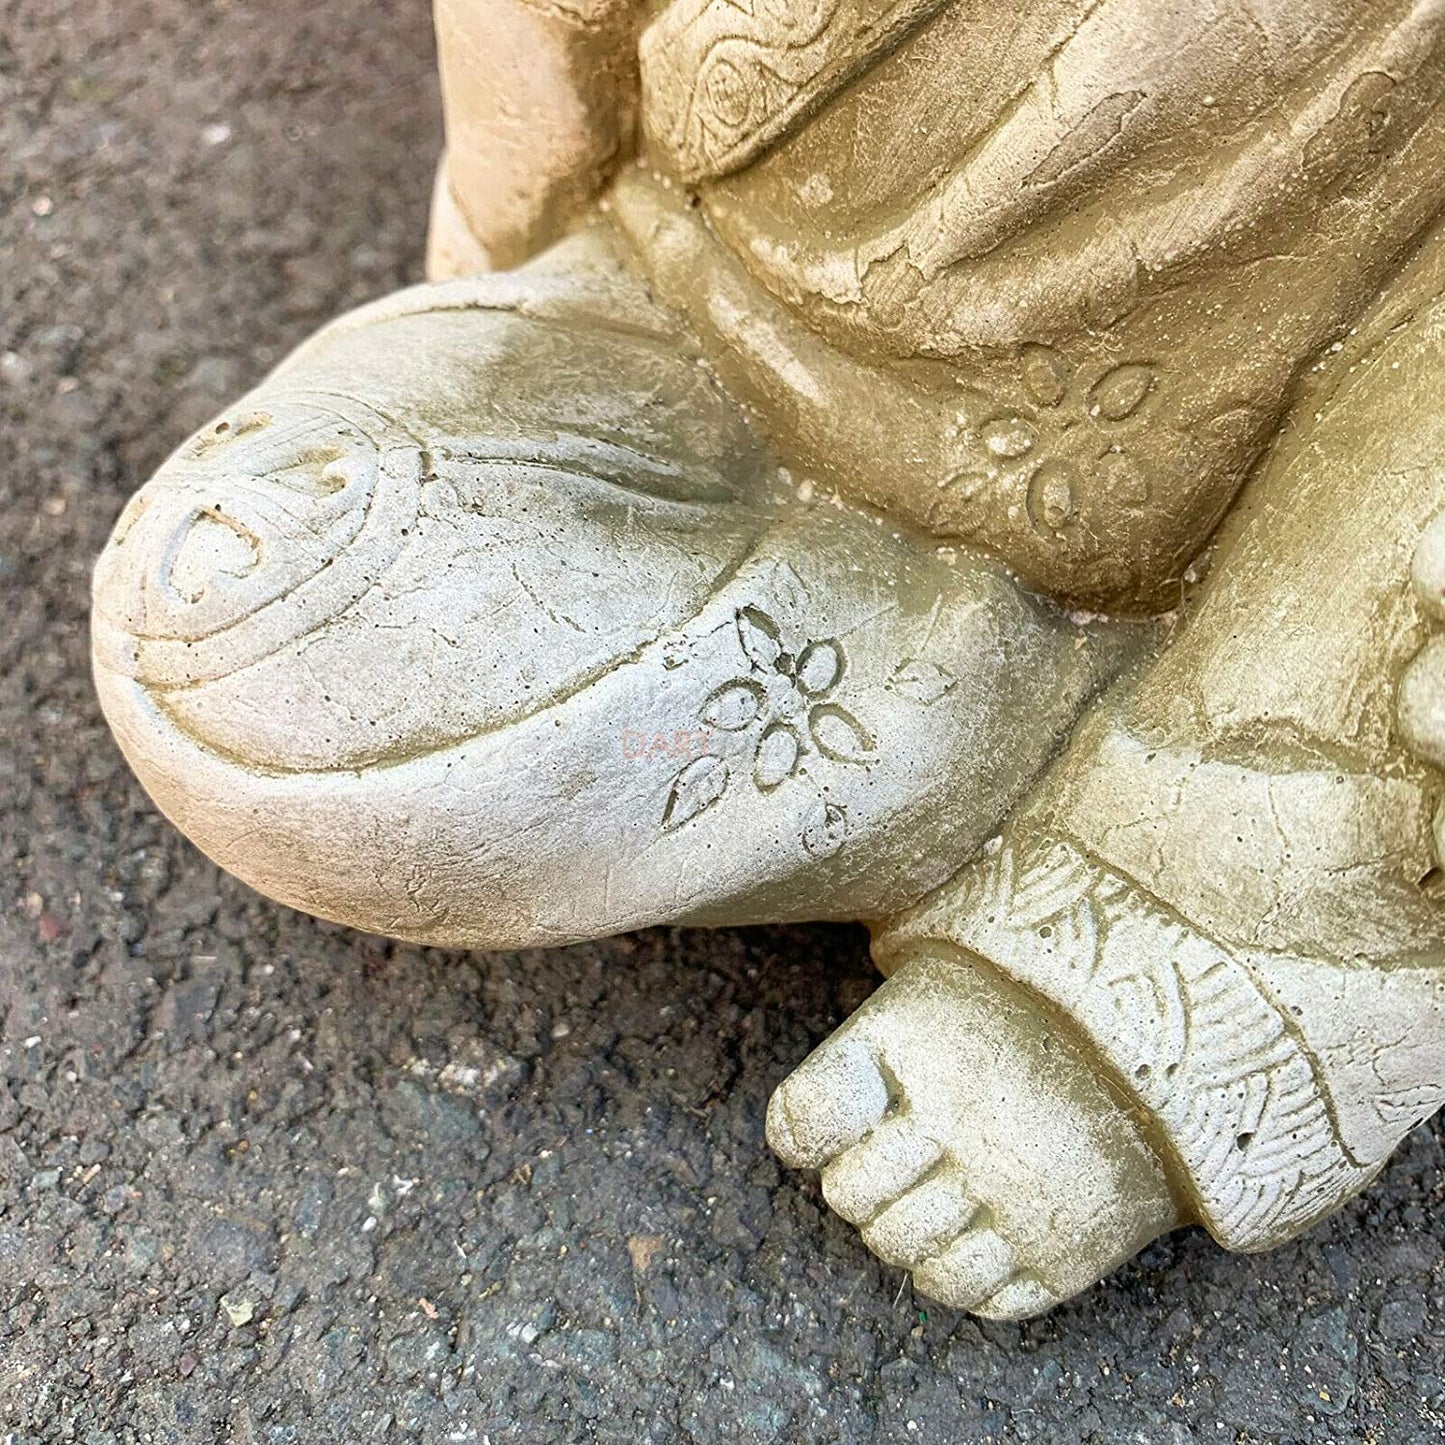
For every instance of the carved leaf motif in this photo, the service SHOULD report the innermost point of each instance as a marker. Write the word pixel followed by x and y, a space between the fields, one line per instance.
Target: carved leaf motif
pixel 789 591
pixel 820 665
pixel 792 56
pixel 826 829
pixel 760 639
pixel 778 751
pixel 838 734
pixel 734 706
pixel 964 485
pixel 921 681
pixel 1120 393
pixel 695 789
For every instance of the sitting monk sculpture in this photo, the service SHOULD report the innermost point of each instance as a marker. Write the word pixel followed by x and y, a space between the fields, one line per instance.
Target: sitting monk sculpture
pixel 962 465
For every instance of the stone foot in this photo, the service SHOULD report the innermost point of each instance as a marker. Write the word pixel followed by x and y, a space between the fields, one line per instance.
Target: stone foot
pixel 973 1142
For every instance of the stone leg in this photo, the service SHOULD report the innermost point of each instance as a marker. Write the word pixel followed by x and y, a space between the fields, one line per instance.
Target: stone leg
pixel 974 1140
pixel 488 621
pixel 1219 912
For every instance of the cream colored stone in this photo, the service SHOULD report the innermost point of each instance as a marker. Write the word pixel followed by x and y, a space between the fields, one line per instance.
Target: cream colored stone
pixel 453 248
pixel 541 106
pixel 723 564
pixel 431 650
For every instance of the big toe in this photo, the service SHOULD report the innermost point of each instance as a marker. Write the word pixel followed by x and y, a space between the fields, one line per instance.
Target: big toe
pixel 828 1104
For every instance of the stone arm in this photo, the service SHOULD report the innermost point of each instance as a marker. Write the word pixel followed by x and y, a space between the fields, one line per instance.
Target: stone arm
pixel 541 103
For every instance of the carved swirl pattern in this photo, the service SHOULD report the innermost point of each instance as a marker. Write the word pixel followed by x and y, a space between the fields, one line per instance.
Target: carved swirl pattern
pixel 724 79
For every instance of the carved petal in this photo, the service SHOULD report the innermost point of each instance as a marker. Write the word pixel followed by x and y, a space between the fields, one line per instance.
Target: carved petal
pixel 734 706
pixel 838 734
pixel 695 789
pixel 1045 374
pixel 1052 496
pixel 759 636
pixel 1120 393
pixel 778 751
pixel 820 665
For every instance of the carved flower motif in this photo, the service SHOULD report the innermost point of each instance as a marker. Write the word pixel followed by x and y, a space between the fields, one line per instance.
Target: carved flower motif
pixel 1070 426
pixel 785 701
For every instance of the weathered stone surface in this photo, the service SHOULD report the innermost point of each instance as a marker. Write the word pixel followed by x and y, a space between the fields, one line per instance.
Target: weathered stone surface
pixel 651 1027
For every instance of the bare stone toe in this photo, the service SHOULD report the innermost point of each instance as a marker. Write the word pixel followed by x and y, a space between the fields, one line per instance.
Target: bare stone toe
pixel 1019 1299
pixel 975 1267
pixel 873 1174
pixel 923 1221
pixel 827 1105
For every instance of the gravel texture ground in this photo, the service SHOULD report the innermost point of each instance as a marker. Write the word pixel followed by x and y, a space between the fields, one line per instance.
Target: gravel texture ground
pixel 266 1180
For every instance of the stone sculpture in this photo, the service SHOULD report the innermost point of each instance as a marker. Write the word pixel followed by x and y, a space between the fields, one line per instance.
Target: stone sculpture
pixel 965 466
